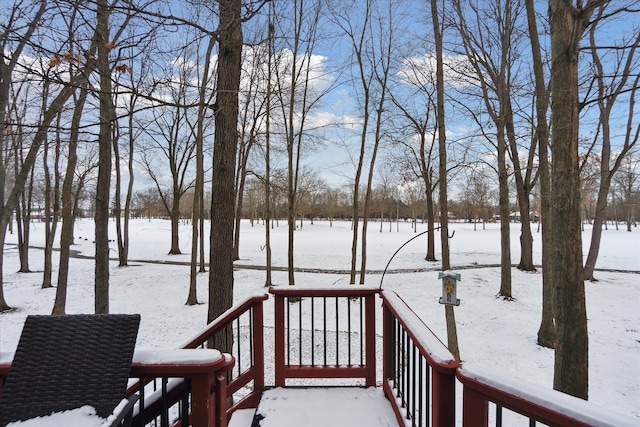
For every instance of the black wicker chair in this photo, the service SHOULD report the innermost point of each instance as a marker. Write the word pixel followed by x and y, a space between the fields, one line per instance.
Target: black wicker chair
pixel 66 362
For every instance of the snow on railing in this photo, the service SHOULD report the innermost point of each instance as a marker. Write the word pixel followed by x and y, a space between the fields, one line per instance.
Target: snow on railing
pixel 418 369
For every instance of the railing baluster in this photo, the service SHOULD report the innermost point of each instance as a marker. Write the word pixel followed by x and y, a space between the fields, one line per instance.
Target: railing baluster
pixel 239 358
pixel 313 335
pixel 251 355
pixel 413 381
pixel 428 392
pixel 403 367
pixel 398 351
pixel 164 415
pixel 299 331
pixel 337 333
pixel 287 307
pixel 141 401
pixel 423 384
pixel 348 331
pixel 362 349
pixel 186 391
pixel 324 329
pixel 498 416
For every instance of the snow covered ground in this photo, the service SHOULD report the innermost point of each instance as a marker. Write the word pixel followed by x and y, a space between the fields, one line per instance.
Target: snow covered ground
pixel 493 333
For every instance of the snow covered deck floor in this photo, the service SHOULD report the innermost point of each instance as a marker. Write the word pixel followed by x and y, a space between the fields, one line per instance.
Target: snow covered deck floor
pixel 309 407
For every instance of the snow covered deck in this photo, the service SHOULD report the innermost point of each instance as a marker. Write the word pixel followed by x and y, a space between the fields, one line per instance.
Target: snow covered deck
pixel 339 406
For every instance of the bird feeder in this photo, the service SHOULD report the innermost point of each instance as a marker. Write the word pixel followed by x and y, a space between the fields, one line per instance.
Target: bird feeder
pixel 449 287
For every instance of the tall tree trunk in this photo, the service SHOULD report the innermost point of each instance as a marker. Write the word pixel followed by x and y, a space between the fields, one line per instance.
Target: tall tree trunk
pixel 202 263
pixel 267 175
pixel 175 223
pixel 198 193
pixel 68 211
pixel 48 236
pixel 23 219
pixel 224 160
pixel 52 216
pixel 239 207
pixel 117 205
pixel 598 220
pixel 571 367
pixel 523 191
pixel 431 224
pixel 452 329
pixel 103 184
pixel 505 213
pixel 547 331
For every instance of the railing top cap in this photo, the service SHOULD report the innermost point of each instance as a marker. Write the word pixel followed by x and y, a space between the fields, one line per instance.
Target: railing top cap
pixel 177 356
pixel 333 290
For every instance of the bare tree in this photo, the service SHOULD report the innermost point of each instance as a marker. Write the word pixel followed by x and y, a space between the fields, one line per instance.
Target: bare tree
pixel 267 156
pixel 371 43
pixel 492 51
pixel 198 130
pixel 172 143
pixel 252 114
pixel 417 121
pixel 611 87
pixel 627 183
pixel 68 201
pixel 478 193
pixel 130 78
pixel 297 93
pixel 51 209
pixel 24 20
pixel 379 55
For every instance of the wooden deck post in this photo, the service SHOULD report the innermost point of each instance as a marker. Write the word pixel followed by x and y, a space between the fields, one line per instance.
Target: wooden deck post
pixel 279 341
pixel 475 408
pixel 203 400
pixel 444 398
pixel 370 330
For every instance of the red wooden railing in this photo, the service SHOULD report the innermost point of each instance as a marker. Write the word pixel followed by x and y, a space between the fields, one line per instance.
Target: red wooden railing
pixel 240 330
pixel 419 374
pixel 519 399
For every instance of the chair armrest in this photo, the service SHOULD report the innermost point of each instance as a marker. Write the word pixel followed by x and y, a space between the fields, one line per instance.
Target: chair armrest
pixel 123 413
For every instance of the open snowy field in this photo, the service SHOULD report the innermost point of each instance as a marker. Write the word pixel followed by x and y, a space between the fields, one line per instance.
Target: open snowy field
pixel 494 333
